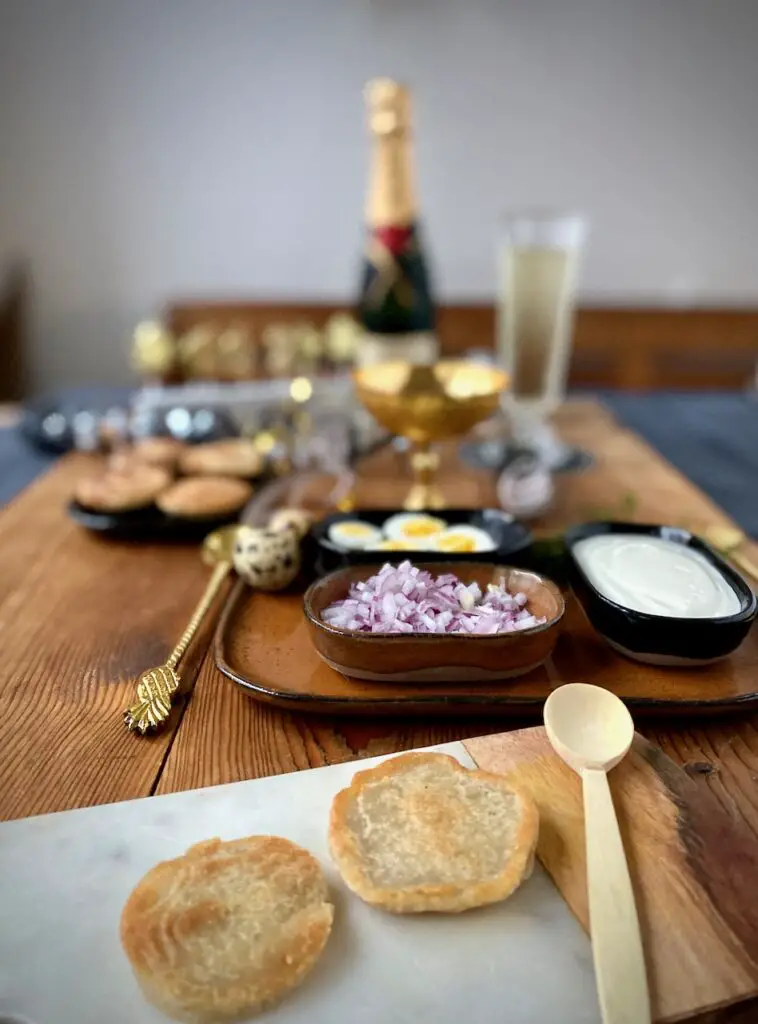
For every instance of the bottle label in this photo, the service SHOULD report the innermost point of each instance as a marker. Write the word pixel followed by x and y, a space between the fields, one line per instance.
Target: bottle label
pixel 418 347
pixel 395 296
pixel 388 250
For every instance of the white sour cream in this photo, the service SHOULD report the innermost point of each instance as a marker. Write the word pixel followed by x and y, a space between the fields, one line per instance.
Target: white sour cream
pixel 657 576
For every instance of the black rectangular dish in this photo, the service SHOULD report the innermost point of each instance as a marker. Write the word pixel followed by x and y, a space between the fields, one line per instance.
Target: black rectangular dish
pixel 511 538
pixel 661 639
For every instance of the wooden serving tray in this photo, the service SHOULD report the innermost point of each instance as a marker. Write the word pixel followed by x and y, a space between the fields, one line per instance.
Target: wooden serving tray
pixel 262 643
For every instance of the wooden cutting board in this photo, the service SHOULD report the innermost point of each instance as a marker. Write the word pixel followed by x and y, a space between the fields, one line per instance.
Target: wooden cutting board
pixel 694 869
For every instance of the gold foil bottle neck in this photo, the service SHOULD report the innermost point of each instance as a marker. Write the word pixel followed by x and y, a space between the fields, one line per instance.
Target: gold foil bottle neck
pixel 389 107
pixel 391 200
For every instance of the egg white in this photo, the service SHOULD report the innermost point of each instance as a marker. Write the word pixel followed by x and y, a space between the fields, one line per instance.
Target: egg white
pixel 473 537
pixel 354 534
pixel 401 527
pixel 392 545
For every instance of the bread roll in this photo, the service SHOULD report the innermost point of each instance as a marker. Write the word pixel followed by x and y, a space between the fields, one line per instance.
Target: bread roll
pixel 422 833
pixel 227 929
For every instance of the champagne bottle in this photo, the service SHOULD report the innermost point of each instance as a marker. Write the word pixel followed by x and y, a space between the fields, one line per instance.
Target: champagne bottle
pixel 395 307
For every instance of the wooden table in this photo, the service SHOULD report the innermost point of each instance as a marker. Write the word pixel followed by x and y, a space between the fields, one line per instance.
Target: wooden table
pixel 81 617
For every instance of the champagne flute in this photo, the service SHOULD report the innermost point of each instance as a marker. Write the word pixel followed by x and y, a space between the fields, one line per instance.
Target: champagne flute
pixel 539 257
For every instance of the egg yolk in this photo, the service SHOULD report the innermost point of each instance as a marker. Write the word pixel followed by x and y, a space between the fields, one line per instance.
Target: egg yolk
pixel 457 542
pixel 420 528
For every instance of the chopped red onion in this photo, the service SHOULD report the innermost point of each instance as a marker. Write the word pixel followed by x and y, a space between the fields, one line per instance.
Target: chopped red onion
pixel 406 599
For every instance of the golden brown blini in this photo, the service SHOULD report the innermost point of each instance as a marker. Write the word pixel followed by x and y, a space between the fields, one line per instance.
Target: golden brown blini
pixel 124 461
pixel 422 833
pixel 200 497
pixel 115 491
pixel 227 929
pixel 236 456
pixel 159 451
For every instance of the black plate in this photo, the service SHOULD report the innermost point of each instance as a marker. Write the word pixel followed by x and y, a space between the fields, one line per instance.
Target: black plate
pixel 661 639
pixel 150 524
pixel 512 539
pixel 147 524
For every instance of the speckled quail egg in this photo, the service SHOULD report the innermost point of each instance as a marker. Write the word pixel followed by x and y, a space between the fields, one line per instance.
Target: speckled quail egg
pixel 266 559
pixel 296 519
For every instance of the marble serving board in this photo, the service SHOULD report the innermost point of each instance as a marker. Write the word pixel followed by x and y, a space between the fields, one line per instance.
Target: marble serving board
pixel 65 877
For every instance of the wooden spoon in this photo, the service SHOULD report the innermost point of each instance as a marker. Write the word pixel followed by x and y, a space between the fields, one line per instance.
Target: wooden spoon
pixel 727 539
pixel 591 729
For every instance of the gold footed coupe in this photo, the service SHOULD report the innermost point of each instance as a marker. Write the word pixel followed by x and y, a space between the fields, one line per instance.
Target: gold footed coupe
pixel 426 404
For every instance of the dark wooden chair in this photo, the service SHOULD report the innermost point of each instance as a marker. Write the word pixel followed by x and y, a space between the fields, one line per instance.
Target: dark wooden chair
pixel 657 349
pixel 13 289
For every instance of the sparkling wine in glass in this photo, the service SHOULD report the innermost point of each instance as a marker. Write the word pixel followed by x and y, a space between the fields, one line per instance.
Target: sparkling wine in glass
pixel 540 253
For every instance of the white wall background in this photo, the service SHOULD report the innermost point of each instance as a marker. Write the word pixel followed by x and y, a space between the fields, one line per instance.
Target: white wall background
pixel 156 149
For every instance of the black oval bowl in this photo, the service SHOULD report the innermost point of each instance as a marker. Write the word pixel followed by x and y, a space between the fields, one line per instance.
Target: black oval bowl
pixel 660 639
pixel 512 539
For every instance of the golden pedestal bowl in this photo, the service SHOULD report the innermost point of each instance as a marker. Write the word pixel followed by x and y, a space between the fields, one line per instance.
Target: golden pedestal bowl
pixel 428 404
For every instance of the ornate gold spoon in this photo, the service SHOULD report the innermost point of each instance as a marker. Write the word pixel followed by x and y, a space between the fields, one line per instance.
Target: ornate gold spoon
pixel 157 686
pixel 267 559
pixel 727 539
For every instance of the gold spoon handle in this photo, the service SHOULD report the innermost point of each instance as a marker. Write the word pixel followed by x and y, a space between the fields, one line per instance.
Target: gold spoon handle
pixel 745 563
pixel 214 585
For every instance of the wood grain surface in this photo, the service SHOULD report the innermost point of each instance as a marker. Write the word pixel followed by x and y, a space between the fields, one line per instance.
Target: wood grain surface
pixel 692 866
pixel 80 618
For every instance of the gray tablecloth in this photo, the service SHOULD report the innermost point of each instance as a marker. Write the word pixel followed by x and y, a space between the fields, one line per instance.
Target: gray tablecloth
pixel 19 463
pixel 712 438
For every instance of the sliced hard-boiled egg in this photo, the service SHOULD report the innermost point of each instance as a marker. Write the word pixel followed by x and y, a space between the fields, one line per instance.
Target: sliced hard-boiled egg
pixel 415 527
pixel 392 545
pixel 464 539
pixel 353 534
